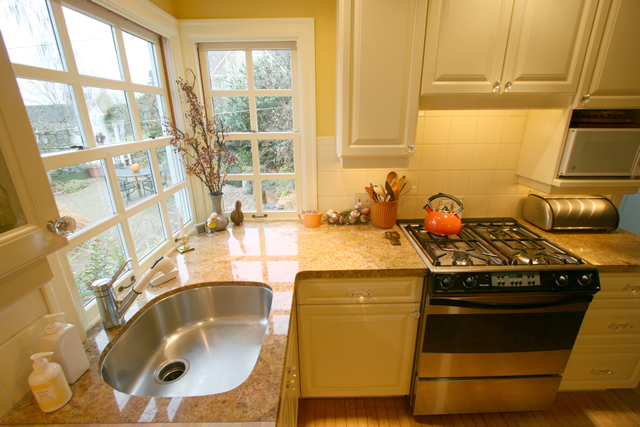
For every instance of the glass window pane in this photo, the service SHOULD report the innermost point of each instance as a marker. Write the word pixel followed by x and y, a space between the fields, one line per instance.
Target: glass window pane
pixel 82 192
pixel 141 57
pixel 94 45
pixel 150 113
pixel 227 69
pixel 28 33
pixel 242 150
pixel 178 204
pixel 239 190
pixel 276 156
pixel 135 177
pixel 272 69
pixel 233 111
pixel 279 195
pixel 147 231
pixel 52 114
pixel 110 114
pixel 171 169
pixel 275 113
pixel 97 258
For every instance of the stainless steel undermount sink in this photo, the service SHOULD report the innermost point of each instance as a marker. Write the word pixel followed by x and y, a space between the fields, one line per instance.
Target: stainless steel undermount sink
pixel 200 341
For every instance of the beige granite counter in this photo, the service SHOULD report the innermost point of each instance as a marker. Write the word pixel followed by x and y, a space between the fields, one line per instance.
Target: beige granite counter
pixel 611 251
pixel 276 253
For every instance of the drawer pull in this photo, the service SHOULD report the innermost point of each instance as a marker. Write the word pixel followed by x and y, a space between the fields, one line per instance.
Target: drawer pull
pixel 360 294
pixel 631 288
pixel 625 325
pixel 292 371
pixel 607 371
pixel 291 384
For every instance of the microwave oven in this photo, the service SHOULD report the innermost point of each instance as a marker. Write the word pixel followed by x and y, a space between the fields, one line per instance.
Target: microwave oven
pixel 611 152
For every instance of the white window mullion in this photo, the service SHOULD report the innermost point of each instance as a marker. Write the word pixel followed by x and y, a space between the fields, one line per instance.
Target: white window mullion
pixel 251 93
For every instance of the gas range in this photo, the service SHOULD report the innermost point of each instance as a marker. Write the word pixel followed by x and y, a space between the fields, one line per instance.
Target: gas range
pixel 492 255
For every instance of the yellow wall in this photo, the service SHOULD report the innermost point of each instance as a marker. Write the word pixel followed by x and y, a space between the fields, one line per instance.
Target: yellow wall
pixel 324 14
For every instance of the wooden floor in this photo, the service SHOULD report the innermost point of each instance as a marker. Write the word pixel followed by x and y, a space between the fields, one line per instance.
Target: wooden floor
pixel 592 408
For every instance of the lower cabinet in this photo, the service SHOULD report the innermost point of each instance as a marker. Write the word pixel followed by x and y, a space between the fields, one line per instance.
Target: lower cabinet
pixel 362 344
pixel 607 350
pixel 290 388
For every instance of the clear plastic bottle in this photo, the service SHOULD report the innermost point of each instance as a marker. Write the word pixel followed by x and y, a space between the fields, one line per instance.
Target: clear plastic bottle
pixel 63 341
pixel 48 383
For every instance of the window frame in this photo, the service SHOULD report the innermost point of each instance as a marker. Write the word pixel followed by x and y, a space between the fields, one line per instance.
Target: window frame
pixel 88 314
pixel 254 136
pixel 298 30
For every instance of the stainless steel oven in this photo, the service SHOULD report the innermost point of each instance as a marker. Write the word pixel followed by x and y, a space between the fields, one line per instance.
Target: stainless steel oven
pixel 502 311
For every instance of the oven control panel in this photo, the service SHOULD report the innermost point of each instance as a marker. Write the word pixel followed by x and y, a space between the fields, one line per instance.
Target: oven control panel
pixel 514 281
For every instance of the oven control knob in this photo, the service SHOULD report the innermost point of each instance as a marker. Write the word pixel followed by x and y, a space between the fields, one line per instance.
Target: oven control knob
pixel 563 280
pixel 585 279
pixel 446 282
pixel 469 282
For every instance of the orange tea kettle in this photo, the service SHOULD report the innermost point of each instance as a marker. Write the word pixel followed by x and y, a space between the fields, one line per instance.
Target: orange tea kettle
pixel 443 222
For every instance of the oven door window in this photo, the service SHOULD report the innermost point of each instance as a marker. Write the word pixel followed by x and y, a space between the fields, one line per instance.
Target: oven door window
pixel 501 332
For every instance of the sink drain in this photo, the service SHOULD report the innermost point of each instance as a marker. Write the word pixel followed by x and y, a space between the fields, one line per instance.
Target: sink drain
pixel 171 371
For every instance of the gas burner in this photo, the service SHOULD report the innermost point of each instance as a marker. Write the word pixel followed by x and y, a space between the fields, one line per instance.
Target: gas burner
pixel 461 258
pixel 532 257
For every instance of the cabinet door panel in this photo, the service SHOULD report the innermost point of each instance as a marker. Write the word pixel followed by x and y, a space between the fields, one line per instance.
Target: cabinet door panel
pixel 617 70
pixel 363 350
pixel 465 45
pixel 547 45
pixel 380 45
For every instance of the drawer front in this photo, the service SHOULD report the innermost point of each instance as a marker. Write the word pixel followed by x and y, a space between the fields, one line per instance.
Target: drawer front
pixel 601 368
pixel 360 290
pixel 619 285
pixel 611 322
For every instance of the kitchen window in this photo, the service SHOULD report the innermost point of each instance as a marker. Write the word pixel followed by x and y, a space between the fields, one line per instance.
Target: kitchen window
pixel 251 89
pixel 94 88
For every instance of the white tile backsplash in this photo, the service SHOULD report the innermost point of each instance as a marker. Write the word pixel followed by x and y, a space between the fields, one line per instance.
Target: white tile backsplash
pixel 471 154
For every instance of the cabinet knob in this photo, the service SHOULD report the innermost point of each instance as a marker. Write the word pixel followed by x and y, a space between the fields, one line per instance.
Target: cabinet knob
pixel 292 371
pixel 585 99
pixel 63 226
pixel 625 325
pixel 496 87
pixel 411 149
pixel 291 384
pixel 415 314
pixel 607 371
pixel 507 86
pixel 631 288
pixel 360 294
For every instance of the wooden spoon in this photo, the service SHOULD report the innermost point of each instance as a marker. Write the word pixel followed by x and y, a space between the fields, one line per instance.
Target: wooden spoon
pixel 391 176
pixel 390 194
pixel 371 195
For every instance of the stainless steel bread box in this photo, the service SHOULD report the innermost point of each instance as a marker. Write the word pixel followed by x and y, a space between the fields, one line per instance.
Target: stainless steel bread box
pixel 571 212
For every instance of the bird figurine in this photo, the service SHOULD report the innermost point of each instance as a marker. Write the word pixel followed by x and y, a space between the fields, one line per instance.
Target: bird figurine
pixel 236 215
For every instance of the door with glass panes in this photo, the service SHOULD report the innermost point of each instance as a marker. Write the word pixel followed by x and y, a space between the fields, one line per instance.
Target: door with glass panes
pixel 95 92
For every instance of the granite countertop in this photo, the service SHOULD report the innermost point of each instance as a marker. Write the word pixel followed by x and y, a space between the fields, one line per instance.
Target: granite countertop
pixel 277 253
pixel 611 251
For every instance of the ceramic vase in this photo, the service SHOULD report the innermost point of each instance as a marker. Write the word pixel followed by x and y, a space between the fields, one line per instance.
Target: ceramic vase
pixel 218 207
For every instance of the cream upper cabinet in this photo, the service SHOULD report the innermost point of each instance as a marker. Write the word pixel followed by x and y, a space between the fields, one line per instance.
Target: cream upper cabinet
pixel 612 72
pixel 506 46
pixel 26 201
pixel 380 45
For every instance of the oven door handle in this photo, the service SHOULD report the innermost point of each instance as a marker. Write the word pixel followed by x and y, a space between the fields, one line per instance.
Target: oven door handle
pixel 510 306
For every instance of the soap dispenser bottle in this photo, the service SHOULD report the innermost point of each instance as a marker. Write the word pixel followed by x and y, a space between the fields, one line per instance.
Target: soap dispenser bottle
pixel 63 341
pixel 48 383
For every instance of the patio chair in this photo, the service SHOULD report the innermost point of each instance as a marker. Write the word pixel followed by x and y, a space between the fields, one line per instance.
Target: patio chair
pixel 126 188
pixel 147 185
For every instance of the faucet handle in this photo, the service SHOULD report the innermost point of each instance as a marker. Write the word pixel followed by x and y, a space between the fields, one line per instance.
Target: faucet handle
pixel 103 286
